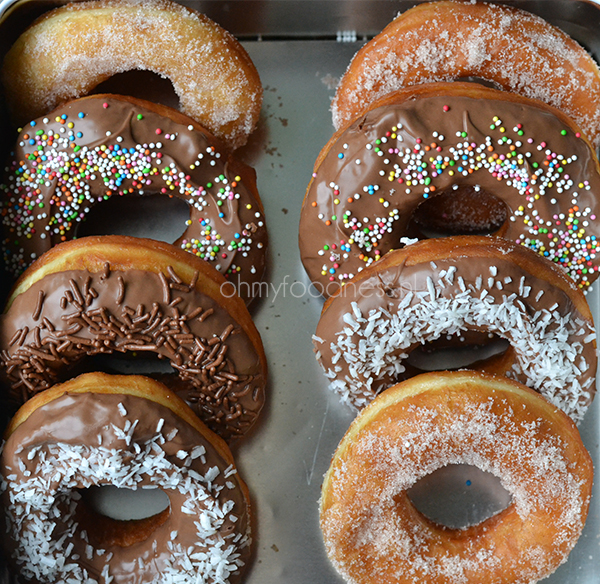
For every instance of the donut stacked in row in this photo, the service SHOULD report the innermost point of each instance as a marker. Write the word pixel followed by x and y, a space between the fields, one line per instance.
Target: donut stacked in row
pixel 501 188
pixel 72 155
pixel 79 299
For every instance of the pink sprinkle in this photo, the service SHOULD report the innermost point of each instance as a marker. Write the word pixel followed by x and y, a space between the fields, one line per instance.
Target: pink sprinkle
pixel 446 108
pixel 104 105
pixel 158 131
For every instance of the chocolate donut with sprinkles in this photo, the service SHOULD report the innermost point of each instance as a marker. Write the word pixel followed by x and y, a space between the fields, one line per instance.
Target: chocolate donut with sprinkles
pixel 104 146
pixel 456 293
pixel 132 433
pixel 130 296
pixel 495 162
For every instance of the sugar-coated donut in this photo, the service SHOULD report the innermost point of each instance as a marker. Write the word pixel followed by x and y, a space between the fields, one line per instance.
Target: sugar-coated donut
pixel 449 287
pixel 102 146
pixel 117 294
pixel 448 40
pixel 130 432
pixel 72 49
pixel 502 163
pixel 372 531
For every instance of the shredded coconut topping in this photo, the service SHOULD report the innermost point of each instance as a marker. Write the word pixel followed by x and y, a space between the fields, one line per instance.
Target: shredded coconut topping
pixel 549 344
pixel 41 515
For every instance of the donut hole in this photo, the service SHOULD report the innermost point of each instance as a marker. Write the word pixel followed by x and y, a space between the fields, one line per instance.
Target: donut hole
pixel 472 349
pixel 128 363
pixel 119 516
pixel 141 84
pixel 459 210
pixel 458 496
pixel 153 216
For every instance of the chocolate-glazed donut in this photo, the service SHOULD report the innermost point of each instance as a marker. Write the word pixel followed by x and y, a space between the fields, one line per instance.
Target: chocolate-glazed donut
pixel 103 146
pixel 529 159
pixel 132 433
pixel 449 287
pixel 116 294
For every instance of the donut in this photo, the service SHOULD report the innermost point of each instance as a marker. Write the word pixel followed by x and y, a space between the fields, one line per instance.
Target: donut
pixel 98 147
pixel 129 296
pixel 443 289
pixel 492 162
pixel 443 41
pixel 373 533
pixel 69 51
pixel 130 432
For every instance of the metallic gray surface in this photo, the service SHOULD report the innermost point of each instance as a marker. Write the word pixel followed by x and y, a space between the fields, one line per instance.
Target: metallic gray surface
pixel 284 459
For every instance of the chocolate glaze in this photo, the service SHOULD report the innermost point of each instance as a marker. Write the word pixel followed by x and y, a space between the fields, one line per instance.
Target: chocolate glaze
pixel 106 146
pixel 537 314
pixel 65 316
pixel 396 156
pixel 88 420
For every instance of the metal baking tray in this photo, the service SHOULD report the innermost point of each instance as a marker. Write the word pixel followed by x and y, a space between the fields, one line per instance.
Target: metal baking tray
pixel 301 48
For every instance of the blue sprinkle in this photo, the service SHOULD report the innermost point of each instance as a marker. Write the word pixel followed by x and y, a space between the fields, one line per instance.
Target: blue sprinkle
pixel 64 117
pixel 332 270
pixel 340 155
pixel 468 483
pixel 79 135
pixel 81 115
pixel 33 123
pixel 221 215
pixel 31 141
pixel 237 236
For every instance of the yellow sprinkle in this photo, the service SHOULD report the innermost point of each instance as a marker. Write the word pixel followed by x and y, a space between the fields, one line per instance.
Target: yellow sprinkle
pixel 70 125
pixel 336 201
pixel 382 200
pixel 248 206
pixel 238 178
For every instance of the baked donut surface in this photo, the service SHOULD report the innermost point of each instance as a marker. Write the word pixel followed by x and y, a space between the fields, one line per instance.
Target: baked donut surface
pixel 96 148
pixel 72 49
pixel 132 433
pixel 132 296
pixel 532 177
pixel 373 533
pixel 448 288
pixel 449 40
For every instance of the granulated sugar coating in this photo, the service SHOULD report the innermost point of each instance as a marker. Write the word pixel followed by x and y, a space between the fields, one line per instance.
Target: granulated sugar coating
pixel 374 534
pixel 71 50
pixel 444 41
